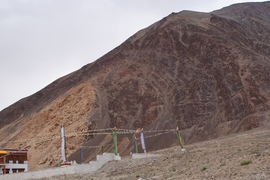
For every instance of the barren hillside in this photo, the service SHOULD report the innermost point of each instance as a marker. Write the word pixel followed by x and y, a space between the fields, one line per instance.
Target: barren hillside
pixel 206 73
pixel 237 156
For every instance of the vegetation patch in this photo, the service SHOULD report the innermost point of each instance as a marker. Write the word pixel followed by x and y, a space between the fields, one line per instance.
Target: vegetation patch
pixel 173 169
pixel 203 169
pixel 246 162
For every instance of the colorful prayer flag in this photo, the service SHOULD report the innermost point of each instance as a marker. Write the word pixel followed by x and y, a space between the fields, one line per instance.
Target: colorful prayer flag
pixel 63 144
pixel 115 142
pixel 142 141
pixel 179 138
pixel 81 155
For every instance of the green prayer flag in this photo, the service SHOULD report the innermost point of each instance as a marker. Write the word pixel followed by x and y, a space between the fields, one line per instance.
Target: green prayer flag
pixel 135 146
pixel 115 142
pixel 179 138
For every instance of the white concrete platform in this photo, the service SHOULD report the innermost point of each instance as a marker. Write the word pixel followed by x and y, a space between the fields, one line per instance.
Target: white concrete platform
pixel 73 169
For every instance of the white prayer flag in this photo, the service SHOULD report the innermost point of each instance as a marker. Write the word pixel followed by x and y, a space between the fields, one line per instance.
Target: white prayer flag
pixel 142 141
pixel 63 144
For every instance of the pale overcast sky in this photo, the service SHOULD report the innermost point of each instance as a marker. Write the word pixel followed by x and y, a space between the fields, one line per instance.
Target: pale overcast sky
pixel 43 40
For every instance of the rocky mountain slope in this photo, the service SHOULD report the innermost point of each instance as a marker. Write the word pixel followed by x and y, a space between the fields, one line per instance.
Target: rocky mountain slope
pixel 206 73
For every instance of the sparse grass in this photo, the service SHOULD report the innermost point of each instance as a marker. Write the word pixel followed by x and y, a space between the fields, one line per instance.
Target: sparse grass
pixel 173 169
pixel 203 169
pixel 223 164
pixel 137 176
pixel 243 163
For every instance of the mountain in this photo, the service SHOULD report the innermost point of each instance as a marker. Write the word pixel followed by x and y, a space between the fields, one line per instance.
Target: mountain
pixel 205 73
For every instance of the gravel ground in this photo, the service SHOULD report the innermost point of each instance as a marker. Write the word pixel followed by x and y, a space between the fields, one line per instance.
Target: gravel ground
pixel 244 155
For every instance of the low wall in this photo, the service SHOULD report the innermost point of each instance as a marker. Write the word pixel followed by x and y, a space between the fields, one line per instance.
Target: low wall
pixel 143 155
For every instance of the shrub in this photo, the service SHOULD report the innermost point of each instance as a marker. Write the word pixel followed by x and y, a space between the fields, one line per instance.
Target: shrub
pixel 246 162
pixel 203 169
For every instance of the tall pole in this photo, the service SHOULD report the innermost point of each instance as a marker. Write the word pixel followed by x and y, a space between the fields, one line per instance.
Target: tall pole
pixel 179 137
pixel 115 141
pixel 142 141
pixel 59 159
pixel 135 145
pixel 63 144
pixel 81 155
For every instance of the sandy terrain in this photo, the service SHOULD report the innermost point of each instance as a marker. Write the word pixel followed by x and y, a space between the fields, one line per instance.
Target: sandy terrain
pixel 238 156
